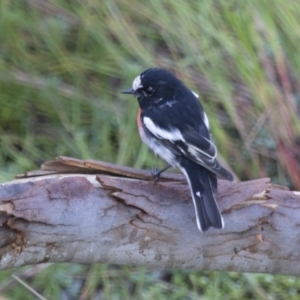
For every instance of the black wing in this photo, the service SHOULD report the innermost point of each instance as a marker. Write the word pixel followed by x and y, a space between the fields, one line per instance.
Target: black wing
pixel 182 129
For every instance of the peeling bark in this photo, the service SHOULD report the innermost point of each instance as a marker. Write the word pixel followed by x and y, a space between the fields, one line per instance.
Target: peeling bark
pixel 108 213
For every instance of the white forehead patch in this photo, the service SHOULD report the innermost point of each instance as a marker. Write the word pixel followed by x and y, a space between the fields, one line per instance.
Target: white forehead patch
pixel 137 83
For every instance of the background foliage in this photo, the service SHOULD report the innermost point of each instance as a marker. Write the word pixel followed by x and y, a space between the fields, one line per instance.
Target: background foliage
pixel 62 66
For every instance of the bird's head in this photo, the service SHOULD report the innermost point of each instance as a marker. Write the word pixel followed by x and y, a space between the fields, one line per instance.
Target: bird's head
pixel 155 86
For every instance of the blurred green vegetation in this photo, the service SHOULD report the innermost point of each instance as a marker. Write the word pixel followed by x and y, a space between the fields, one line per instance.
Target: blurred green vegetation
pixel 62 66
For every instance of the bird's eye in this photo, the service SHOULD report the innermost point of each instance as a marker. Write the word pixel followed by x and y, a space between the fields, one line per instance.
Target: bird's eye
pixel 149 90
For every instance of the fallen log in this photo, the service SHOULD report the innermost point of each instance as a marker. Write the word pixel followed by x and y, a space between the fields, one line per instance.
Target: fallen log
pixel 91 212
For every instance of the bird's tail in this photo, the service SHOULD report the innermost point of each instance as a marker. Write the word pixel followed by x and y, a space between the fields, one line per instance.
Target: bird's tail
pixel 203 185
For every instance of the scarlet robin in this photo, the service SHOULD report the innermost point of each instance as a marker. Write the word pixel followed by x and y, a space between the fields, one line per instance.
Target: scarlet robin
pixel 172 122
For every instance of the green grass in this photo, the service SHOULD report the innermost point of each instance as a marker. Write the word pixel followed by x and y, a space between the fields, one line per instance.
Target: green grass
pixel 114 282
pixel 63 65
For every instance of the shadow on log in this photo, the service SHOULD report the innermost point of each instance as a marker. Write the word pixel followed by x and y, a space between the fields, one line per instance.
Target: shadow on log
pixel 90 211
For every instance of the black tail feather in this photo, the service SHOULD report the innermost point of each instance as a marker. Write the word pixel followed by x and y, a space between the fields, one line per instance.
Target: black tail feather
pixel 203 185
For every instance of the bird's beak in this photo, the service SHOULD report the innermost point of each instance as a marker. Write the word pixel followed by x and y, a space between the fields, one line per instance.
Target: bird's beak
pixel 128 91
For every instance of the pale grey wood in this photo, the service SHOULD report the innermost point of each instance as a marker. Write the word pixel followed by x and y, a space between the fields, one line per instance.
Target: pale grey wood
pixel 125 220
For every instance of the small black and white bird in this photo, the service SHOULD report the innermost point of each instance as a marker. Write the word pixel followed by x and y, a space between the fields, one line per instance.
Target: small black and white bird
pixel 172 122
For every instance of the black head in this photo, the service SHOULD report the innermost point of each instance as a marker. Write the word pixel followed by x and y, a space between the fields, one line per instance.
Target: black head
pixel 155 86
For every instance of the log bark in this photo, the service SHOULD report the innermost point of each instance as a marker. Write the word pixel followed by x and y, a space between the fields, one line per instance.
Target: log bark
pixel 91 212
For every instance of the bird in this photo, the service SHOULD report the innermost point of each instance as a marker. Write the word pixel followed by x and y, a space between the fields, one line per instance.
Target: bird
pixel 172 122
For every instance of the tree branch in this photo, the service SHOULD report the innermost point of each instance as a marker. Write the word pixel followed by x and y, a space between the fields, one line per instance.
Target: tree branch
pixel 108 213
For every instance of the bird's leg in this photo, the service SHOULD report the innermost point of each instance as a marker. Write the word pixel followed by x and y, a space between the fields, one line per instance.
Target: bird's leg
pixel 156 173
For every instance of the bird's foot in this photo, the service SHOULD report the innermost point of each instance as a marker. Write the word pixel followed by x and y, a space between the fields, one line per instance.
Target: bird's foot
pixel 156 172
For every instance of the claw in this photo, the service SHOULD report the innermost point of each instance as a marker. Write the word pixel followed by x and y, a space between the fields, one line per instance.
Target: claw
pixel 156 172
